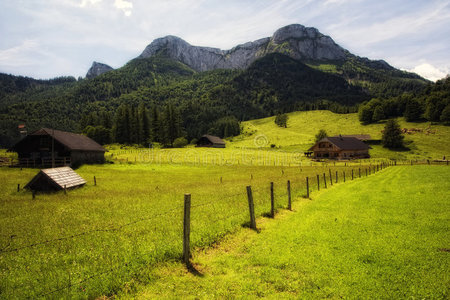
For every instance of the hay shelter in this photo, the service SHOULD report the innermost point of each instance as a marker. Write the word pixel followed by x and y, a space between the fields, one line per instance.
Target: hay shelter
pixel 211 141
pixel 55 179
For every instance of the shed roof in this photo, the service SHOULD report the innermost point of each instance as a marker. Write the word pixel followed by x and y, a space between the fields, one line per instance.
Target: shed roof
pixel 56 178
pixel 214 139
pixel 71 140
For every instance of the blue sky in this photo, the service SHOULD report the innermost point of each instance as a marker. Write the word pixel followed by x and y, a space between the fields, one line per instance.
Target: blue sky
pixel 49 38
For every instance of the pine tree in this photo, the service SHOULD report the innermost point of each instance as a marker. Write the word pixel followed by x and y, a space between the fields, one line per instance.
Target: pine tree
pixel 155 125
pixel 392 135
pixel 144 124
pixel 121 128
pixel 172 124
pixel 134 126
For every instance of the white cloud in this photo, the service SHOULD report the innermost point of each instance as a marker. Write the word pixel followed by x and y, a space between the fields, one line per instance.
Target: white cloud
pixel 19 55
pixel 430 72
pixel 90 2
pixel 125 6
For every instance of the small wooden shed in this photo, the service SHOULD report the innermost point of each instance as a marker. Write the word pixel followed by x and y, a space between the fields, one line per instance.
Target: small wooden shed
pixel 211 141
pixel 55 179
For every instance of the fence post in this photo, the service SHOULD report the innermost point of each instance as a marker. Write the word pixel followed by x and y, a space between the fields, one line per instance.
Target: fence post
pixel 272 201
pixel 18 187
pixel 289 195
pixel 318 183
pixel 95 181
pixel 186 228
pixel 352 174
pixel 344 175
pixel 324 180
pixel 336 176
pixel 251 208
pixel 307 187
pixel 359 171
pixel 331 177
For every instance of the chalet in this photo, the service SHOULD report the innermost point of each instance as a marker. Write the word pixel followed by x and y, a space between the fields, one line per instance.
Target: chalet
pixel 55 179
pixel 211 141
pixel 340 147
pixel 35 150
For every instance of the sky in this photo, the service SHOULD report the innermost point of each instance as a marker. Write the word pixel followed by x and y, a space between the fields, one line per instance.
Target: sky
pixel 49 38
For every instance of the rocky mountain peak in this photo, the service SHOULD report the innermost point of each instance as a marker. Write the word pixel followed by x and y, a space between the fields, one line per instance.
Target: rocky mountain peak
pixel 97 69
pixel 296 41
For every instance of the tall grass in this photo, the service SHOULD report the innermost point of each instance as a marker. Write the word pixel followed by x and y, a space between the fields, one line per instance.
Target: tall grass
pixel 94 239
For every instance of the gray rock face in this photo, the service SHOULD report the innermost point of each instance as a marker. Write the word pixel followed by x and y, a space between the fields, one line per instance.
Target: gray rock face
pixel 297 41
pixel 97 69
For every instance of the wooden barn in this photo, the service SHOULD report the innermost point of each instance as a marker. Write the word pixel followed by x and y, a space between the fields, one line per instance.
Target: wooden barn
pixel 340 147
pixel 211 141
pixel 70 149
pixel 55 179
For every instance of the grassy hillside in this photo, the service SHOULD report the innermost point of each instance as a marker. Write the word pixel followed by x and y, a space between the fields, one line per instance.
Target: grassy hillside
pixel 303 126
pixel 95 239
pixel 363 240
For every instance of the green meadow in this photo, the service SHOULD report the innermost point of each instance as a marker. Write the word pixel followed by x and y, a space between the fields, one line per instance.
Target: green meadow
pixel 286 146
pixel 381 237
pixel 125 232
pixel 92 240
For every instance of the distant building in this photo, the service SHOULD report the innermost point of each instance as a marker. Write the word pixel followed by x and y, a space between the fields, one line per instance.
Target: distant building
pixel 340 147
pixel 70 149
pixel 211 141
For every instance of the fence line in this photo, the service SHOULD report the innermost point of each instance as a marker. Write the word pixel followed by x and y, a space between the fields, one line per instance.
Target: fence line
pixel 262 192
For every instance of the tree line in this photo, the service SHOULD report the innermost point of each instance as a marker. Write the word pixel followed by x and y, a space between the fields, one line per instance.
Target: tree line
pixel 433 104
pixel 143 126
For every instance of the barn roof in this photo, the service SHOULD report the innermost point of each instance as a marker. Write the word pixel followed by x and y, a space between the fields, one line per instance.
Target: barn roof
pixel 71 140
pixel 56 178
pixel 214 139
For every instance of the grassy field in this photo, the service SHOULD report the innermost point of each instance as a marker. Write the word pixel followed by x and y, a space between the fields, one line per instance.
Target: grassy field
pixel 385 237
pixel 263 143
pixel 94 239
pixel 303 126
pixel 98 240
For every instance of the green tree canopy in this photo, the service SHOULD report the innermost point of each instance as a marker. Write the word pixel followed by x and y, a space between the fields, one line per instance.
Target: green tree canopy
pixel 321 134
pixel 392 135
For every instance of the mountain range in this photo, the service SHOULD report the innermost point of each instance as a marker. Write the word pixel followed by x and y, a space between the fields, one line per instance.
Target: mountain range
pixel 297 68
pixel 302 43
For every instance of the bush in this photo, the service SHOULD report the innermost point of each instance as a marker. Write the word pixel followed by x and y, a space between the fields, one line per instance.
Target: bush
pixel 180 142
pixel 281 120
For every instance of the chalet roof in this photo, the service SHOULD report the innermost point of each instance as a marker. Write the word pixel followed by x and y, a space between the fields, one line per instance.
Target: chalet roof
pixel 361 137
pixel 55 178
pixel 71 140
pixel 345 143
pixel 214 139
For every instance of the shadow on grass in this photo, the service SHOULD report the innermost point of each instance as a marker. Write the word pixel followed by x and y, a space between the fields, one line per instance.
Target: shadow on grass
pixel 191 269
